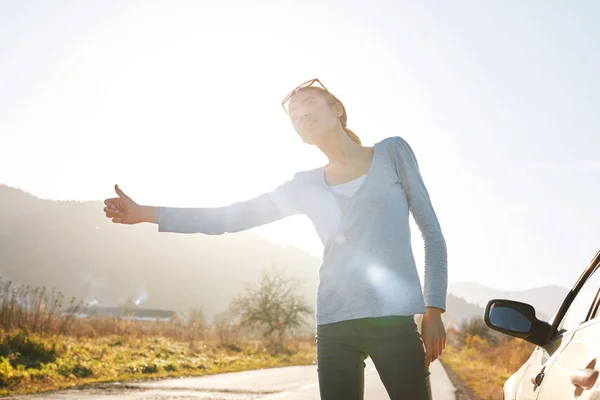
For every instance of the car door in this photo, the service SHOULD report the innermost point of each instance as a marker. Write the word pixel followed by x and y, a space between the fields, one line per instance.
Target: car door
pixel 575 373
pixel 576 362
pixel 538 363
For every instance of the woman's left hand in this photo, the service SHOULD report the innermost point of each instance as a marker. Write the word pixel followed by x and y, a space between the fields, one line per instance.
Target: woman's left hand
pixel 433 334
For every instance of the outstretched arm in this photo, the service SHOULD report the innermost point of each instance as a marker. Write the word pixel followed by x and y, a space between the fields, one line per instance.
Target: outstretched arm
pixel 263 209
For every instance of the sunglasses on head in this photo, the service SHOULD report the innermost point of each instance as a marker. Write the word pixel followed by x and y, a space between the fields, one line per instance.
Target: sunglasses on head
pixel 300 87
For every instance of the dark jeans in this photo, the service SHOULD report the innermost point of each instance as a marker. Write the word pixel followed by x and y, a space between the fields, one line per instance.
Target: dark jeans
pixel 393 343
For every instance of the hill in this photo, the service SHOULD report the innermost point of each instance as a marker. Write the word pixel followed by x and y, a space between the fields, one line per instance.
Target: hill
pixel 545 299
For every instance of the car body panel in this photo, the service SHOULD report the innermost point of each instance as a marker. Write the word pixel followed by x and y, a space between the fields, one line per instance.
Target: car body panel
pixel 542 359
pixel 581 352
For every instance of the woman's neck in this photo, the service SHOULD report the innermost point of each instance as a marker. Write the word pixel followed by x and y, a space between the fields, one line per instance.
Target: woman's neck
pixel 339 148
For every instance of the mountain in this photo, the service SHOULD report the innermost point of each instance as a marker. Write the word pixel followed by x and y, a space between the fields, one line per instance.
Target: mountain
pixel 545 299
pixel 459 310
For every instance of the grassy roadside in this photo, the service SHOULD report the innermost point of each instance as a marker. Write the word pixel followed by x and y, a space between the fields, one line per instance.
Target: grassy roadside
pixel 463 391
pixel 46 346
pixel 485 366
pixel 35 363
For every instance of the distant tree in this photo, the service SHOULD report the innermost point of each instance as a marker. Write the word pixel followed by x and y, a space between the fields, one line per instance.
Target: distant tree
pixel 196 324
pixel 226 329
pixel 476 327
pixel 272 306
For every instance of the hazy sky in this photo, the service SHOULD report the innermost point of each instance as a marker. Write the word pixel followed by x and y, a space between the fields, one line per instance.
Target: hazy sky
pixel 179 103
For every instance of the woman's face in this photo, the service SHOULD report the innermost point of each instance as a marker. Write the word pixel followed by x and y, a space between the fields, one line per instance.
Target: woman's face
pixel 312 116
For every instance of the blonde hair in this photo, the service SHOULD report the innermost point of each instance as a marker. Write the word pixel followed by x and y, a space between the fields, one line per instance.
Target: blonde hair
pixel 343 118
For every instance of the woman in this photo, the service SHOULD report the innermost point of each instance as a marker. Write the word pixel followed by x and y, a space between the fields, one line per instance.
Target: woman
pixel 369 291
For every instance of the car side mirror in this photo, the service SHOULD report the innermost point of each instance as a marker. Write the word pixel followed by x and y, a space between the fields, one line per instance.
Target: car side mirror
pixel 516 319
pixel 511 316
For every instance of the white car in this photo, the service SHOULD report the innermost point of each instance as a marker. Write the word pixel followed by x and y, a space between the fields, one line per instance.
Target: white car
pixel 565 364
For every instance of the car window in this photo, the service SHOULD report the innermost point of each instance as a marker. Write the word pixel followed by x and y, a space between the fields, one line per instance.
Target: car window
pixel 581 305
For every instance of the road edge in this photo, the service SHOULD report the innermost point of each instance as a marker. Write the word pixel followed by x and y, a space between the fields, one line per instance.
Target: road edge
pixel 462 391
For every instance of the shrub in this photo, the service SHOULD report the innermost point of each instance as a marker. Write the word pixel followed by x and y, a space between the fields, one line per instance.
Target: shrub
pixel 21 349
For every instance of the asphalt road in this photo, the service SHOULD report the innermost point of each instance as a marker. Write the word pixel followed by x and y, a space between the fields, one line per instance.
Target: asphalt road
pixel 288 383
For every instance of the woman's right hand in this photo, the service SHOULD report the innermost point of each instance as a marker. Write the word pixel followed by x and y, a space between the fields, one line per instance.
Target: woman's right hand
pixel 122 209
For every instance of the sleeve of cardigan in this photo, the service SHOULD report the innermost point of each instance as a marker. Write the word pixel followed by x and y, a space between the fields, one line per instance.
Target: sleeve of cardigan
pixel 436 259
pixel 265 208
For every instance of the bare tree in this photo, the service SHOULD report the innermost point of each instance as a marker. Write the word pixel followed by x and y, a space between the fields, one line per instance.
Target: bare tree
pixel 226 329
pixel 272 306
pixel 196 325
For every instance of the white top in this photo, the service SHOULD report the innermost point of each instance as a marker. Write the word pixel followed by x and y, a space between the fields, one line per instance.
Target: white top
pixel 332 218
pixel 348 189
